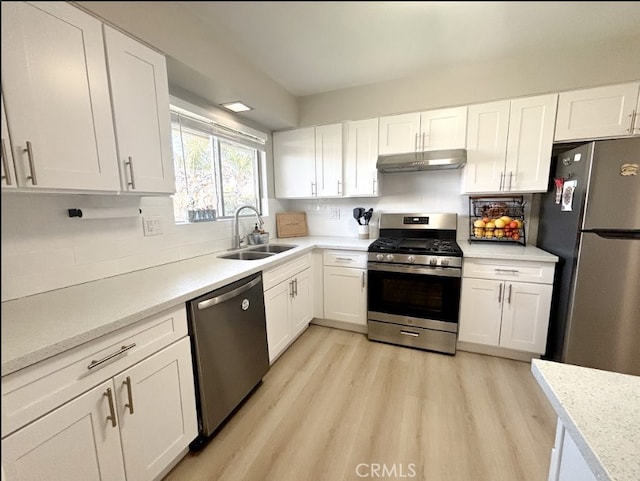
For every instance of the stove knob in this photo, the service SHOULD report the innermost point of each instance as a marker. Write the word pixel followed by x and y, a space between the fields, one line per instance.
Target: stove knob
pixel 444 262
pixel 390 257
pixel 379 257
pixel 411 259
pixel 433 261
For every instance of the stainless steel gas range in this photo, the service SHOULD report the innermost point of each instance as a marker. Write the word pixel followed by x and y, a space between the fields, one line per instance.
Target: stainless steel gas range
pixel 414 270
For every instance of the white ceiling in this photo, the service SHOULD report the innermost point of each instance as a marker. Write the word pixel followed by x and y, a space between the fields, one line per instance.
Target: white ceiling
pixel 314 47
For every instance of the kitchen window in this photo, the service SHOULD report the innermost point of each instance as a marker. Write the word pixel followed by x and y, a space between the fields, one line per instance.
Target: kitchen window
pixel 217 168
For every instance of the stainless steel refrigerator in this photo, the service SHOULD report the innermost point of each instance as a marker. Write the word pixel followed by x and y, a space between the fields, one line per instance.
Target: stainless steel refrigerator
pixel 590 218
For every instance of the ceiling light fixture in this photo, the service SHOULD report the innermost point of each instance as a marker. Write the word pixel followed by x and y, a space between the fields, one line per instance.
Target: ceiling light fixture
pixel 236 106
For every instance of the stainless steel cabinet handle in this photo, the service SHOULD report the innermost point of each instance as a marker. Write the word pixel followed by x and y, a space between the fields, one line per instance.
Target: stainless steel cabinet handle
pixel 634 121
pixel 129 163
pixel 345 259
pixel 500 294
pixel 122 350
pixel 228 295
pixel 339 188
pixel 509 297
pixel 510 178
pixel 5 163
pixel 32 168
pixel 291 289
pixel 409 333
pixel 415 147
pixel 314 189
pixel 633 118
pixel 295 286
pixel 501 180
pixel 374 185
pixel 424 142
pixel 112 411
pixel 127 382
pixel 363 284
pixel 512 271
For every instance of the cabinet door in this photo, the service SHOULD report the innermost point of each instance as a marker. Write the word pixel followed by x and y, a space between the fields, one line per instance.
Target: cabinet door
pixel 443 129
pixel 531 126
pixel 74 442
pixel 360 157
pixel 8 172
pixel 488 126
pixel 399 133
pixel 301 302
pixel 54 79
pixel 157 410
pixel 597 113
pixel 480 311
pixel 277 307
pixel 140 96
pixel 345 295
pixel 328 160
pixel 294 163
pixel 525 316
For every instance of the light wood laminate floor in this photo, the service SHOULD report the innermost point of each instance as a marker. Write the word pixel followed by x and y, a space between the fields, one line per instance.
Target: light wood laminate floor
pixel 335 400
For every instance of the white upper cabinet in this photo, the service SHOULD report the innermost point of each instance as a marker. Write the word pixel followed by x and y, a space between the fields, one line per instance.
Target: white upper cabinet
pixel 443 129
pixel 54 81
pixel 294 162
pixel 8 172
pixel 308 162
pixel 486 145
pixel 529 144
pixel 510 143
pixel 140 96
pixel 601 112
pixel 420 132
pixel 399 133
pixel 360 157
pixel 328 159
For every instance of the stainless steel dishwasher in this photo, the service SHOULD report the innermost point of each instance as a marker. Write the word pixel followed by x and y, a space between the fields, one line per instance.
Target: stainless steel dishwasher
pixel 229 339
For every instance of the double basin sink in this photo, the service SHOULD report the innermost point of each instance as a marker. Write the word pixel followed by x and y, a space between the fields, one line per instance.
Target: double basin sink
pixel 258 252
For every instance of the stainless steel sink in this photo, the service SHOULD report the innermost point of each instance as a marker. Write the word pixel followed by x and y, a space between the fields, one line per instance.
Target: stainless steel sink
pixel 272 248
pixel 247 255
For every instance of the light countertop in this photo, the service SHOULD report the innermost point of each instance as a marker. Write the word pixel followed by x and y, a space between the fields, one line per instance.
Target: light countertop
pixel 485 250
pixel 38 327
pixel 601 412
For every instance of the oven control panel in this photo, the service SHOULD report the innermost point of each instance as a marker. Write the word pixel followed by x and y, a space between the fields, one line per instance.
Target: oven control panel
pixel 419 260
pixel 415 220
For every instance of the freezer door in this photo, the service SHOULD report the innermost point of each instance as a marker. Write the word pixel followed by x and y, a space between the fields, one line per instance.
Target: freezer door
pixel 613 199
pixel 604 323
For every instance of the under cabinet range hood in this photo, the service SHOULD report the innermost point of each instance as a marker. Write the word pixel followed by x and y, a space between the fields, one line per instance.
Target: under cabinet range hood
pixel 417 161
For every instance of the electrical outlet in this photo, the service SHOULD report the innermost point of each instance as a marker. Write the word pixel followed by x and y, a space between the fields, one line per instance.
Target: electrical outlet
pixel 152 225
pixel 335 213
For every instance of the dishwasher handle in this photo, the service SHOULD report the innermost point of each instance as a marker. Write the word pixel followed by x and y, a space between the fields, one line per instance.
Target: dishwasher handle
pixel 228 295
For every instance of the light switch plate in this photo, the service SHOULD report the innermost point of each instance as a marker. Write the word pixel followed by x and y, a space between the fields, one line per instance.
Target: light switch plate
pixel 152 225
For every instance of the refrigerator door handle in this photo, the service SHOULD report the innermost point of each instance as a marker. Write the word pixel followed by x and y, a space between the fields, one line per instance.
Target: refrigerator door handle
pixel 615 234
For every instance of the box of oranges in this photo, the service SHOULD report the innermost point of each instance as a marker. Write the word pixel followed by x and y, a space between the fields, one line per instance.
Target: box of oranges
pixel 497 219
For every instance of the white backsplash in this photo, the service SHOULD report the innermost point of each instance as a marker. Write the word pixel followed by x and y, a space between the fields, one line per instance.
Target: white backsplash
pixel 44 249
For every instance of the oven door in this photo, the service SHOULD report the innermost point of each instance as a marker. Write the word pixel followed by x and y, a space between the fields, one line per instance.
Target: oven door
pixel 416 295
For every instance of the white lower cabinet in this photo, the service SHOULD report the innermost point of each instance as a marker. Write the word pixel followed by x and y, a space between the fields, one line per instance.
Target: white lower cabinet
pixel 567 463
pixel 498 309
pixel 131 426
pixel 345 287
pixel 288 303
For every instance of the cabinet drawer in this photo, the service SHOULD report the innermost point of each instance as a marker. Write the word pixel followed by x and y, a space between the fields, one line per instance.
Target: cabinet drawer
pixel 275 276
pixel 345 259
pixel 31 392
pixel 508 270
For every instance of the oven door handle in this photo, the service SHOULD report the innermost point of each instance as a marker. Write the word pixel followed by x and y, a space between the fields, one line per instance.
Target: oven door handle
pixel 410 269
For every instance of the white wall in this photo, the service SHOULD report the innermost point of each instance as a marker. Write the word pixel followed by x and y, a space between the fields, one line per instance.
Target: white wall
pixel 44 249
pixel 539 72
pixel 430 192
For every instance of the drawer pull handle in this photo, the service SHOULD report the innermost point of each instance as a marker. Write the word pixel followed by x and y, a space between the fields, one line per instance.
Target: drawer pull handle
pixel 499 293
pixel 122 350
pixel 129 163
pixel 509 297
pixel 112 412
pixel 127 382
pixel 345 259
pixel 512 271
pixel 409 333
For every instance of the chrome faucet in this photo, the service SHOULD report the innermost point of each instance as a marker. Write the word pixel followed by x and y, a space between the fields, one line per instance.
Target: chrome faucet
pixel 237 240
